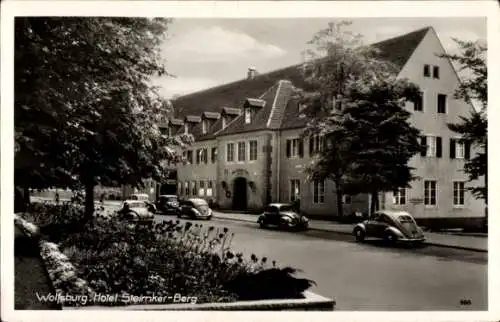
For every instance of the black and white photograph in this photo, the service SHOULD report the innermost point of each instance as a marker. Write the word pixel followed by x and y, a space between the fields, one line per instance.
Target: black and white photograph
pixel 218 162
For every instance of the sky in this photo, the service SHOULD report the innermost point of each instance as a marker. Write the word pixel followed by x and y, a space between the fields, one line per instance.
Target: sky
pixel 203 52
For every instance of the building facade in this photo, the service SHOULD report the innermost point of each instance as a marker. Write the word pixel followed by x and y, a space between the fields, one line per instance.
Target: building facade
pixel 248 148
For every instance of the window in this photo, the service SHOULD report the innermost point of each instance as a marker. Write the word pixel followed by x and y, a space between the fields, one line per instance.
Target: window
pixel 399 196
pixel 435 72
pixel 248 116
pixel 179 188
pixel 294 148
pixel 214 155
pixel 201 191
pixel 230 152
pixel 186 188
pixel 186 128
pixel 427 70
pixel 318 191
pixel 433 146
pixel 458 193
pixel 224 122
pixel 430 192
pixel 193 188
pixel 241 151
pixel 418 103
pixel 316 144
pixel 252 150
pixel 204 126
pixel 347 199
pixel 190 156
pixel 459 149
pixel 294 190
pixel 204 155
pixel 441 104
pixel 209 189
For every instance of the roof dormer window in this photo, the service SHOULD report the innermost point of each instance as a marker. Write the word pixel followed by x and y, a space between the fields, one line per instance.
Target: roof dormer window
pixel 186 128
pixel 224 122
pixel 204 126
pixel 248 115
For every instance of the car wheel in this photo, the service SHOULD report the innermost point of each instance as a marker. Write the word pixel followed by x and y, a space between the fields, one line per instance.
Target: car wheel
pixel 391 238
pixel 209 217
pixel 262 224
pixel 360 235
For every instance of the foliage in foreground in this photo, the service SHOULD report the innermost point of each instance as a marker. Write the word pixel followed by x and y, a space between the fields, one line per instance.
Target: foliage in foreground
pixel 474 127
pixel 85 110
pixel 120 258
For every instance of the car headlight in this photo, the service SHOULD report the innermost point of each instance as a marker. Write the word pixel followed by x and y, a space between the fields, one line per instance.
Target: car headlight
pixel 305 219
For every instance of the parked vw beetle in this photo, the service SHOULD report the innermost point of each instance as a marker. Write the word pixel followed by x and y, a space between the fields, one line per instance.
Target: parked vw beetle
pixel 195 208
pixel 393 226
pixel 283 216
pixel 136 211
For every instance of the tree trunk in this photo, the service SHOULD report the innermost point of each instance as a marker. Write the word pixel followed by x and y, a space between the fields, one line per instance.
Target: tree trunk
pixel 374 202
pixel 89 200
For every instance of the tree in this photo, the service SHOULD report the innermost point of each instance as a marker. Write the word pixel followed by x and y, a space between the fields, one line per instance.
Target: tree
pixel 355 101
pixel 383 139
pixel 85 109
pixel 474 127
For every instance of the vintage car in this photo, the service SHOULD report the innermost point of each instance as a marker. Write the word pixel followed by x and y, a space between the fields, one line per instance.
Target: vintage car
pixel 136 211
pixel 393 226
pixel 195 208
pixel 168 204
pixel 143 197
pixel 283 216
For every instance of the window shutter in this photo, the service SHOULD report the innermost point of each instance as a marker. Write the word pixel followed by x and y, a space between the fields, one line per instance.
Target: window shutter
pixel 423 142
pixel 439 147
pixel 452 148
pixel 301 148
pixel 467 150
pixel 288 148
pixel 311 145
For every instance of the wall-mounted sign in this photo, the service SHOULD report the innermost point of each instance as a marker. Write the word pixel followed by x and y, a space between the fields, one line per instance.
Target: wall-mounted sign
pixel 240 172
pixel 417 200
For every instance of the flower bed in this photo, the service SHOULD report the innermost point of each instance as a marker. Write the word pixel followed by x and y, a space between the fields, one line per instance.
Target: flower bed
pixel 106 256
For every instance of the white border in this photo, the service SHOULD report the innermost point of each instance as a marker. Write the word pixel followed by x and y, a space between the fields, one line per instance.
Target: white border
pixel 240 9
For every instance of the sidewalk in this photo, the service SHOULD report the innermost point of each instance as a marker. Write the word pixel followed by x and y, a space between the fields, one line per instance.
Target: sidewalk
pixel 473 243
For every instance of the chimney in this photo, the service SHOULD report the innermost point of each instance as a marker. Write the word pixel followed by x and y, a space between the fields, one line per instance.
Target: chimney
pixel 251 73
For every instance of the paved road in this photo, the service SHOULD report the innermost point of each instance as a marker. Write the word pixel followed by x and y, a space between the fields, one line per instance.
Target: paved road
pixel 370 276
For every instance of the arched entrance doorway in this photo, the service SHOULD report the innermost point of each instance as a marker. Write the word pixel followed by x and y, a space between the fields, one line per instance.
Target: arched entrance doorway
pixel 240 193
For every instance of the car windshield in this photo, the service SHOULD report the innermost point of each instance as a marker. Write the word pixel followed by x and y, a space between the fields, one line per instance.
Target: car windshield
pixel 405 218
pixel 286 208
pixel 169 199
pixel 271 209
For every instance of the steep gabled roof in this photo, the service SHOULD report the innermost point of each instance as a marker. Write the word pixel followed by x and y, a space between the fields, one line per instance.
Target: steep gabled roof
pixel 398 50
pixel 279 110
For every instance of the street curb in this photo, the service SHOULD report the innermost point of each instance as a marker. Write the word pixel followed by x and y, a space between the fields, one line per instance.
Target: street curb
pixel 348 233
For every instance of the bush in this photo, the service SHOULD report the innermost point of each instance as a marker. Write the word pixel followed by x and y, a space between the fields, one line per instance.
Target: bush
pixel 116 257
